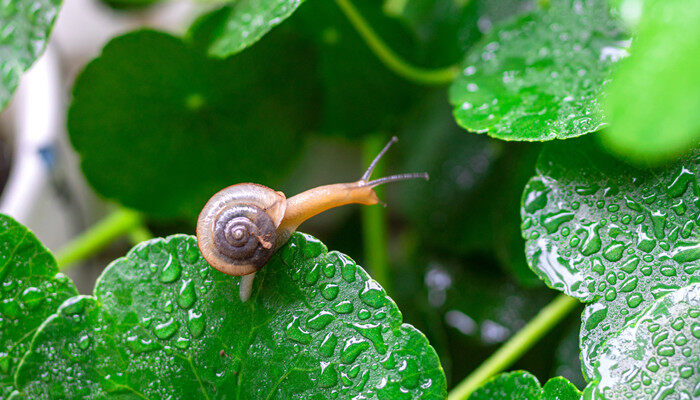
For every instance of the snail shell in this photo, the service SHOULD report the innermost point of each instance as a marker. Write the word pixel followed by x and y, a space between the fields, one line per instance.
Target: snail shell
pixel 236 229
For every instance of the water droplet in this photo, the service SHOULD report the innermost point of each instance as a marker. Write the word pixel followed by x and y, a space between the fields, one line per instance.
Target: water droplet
pixel 195 323
pixel 629 285
pixel 327 347
pixel 186 295
pixel 32 297
pixel 171 271
pixel 84 342
pixel 373 332
pixel 166 329
pixel 535 196
pixel 344 307
pixel 313 275
pixel 666 350
pixel 10 308
pixel 553 221
pixel 328 376
pixel 686 252
pixel 296 333
pixel 320 320
pixel 364 314
pixel 592 243
pixel 372 294
pixel 634 299
pixel 614 251
pixel 352 349
pixel 330 292
pixel 182 343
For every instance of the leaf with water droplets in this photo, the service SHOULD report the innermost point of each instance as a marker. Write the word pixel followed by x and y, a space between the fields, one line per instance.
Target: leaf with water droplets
pixel 31 291
pixel 247 21
pixel 191 337
pixel 655 355
pixel 633 236
pixel 540 76
pixel 24 30
pixel 522 385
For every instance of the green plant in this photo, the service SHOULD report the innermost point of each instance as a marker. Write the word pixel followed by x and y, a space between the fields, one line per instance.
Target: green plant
pixel 607 211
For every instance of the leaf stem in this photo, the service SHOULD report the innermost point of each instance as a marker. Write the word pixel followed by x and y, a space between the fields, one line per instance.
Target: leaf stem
pixel 374 229
pixel 546 319
pixel 389 58
pixel 117 223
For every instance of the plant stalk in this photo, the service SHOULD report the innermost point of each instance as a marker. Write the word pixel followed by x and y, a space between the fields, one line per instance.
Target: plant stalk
pixel 423 76
pixel 514 348
pixel 117 223
pixel 374 229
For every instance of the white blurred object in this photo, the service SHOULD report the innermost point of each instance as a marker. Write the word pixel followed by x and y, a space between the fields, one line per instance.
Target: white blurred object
pixel 36 117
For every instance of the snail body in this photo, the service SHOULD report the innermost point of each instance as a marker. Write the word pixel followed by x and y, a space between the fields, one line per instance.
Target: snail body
pixel 241 226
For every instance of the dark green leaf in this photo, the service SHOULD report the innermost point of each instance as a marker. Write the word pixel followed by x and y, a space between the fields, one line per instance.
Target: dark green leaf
pixel 609 234
pixel 32 289
pixel 247 21
pixel 540 77
pixel 654 97
pixel 448 28
pixel 24 30
pixel 360 95
pixel 163 323
pixel 160 127
pixel 522 385
pixel 656 355
pixel 472 201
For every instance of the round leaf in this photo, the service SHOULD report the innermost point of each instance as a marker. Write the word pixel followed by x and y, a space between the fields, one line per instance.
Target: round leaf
pixel 609 234
pixel 24 30
pixel 522 385
pixel 164 323
pixel 159 127
pixel 32 289
pixel 656 355
pixel 539 77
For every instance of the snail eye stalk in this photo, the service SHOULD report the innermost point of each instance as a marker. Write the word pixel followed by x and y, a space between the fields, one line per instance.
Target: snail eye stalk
pixel 391 178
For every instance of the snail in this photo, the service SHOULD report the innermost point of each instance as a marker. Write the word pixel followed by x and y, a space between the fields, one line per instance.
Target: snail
pixel 241 226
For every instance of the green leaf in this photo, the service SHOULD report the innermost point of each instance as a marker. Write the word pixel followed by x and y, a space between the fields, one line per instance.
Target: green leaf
pixel 360 95
pixel 609 234
pixel 32 289
pixel 448 28
pixel 159 127
pixel 25 26
pixel 657 354
pixel 539 77
pixel 247 21
pixel 522 385
pixel 654 97
pixel 163 323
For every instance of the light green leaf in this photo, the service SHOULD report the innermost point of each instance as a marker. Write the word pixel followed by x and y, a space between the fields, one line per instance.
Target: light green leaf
pixel 654 97
pixel 163 323
pixel 32 289
pixel 656 355
pixel 247 21
pixel 539 77
pixel 24 30
pixel 609 234
pixel 159 127
pixel 522 385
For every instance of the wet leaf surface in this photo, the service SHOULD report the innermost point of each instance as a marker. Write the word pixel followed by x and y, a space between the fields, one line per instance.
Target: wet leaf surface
pixel 198 124
pixel 247 21
pixel 32 289
pixel 540 76
pixel 656 355
pixel 611 235
pixel 164 323
pixel 521 385
pixel 26 26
